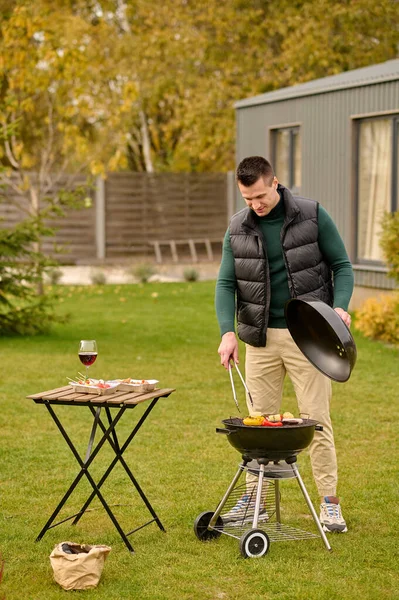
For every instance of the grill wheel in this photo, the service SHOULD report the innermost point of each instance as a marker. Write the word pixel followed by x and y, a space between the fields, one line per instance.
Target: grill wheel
pixel 201 527
pixel 254 543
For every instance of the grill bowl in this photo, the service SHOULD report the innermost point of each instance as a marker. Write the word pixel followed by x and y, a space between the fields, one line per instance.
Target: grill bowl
pixel 273 443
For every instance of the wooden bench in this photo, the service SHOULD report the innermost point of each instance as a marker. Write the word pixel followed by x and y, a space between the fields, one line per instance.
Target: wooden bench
pixel 191 243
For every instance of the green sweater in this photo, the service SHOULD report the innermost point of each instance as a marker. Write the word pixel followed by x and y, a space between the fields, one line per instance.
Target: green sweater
pixel 331 246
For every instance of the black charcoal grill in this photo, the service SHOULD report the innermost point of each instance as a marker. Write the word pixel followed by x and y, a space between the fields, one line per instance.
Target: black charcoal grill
pixel 272 443
pixel 271 454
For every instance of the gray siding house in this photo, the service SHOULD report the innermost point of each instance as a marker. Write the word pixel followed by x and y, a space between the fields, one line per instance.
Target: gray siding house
pixel 335 140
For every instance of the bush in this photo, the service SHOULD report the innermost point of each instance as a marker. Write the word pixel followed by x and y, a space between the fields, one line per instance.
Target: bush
pixel 98 278
pixel 143 272
pixel 190 275
pixel 378 318
pixel 24 308
pixel 54 276
pixel 389 242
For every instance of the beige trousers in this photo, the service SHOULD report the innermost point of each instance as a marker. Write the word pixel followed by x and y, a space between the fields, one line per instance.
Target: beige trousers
pixel 265 369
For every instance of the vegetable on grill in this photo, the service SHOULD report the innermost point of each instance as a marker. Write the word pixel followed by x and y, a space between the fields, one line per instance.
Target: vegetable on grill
pixel 288 415
pixel 274 418
pixel 254 420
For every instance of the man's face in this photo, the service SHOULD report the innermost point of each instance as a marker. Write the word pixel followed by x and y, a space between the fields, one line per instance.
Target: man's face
pixel 262 196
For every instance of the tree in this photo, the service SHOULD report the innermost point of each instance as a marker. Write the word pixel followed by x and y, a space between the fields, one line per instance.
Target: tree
pixel 61 94
pixel 327 37
pixel 59 117
pixel 22 311
pixel 165 76
pixel 191 60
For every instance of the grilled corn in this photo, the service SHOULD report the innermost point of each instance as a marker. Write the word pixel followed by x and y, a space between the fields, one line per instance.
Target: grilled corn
pixel 253 420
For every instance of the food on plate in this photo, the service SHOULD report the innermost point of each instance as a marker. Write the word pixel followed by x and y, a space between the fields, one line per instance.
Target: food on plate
pixel 99 383
pixel 93 386
pixel 137 385
pixel 288 415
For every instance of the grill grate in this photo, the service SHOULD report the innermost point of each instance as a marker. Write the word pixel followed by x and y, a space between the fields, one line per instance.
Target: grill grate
pixel 238 422
pixel 277 532
pixel 236 522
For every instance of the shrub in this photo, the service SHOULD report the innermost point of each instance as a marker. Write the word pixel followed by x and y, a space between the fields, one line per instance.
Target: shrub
pixel 54 275
pixel 143 272
pixel 24 309
pixel 190 275
pixel 389 242
pixel 378 318
pixel 98 278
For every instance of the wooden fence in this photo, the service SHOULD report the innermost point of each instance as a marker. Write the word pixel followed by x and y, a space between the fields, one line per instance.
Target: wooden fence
pixel 131 211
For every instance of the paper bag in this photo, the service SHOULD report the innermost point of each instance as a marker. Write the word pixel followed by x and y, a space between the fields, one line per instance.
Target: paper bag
pixel 76 566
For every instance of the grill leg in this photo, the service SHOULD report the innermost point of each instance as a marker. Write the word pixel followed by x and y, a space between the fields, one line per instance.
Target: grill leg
pixel 223 501
pixel 258 495
pixel 311 507
pixel 277 500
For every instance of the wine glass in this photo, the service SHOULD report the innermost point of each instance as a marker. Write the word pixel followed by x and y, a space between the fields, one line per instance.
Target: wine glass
pixel 87 353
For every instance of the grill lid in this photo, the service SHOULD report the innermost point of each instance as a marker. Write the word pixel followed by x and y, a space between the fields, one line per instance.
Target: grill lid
pixel 322 336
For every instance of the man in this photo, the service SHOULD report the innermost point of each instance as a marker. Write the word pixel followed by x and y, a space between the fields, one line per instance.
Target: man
pixel 277 248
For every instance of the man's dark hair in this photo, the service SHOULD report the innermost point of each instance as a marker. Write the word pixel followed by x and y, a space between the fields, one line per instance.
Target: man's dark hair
pixel 253 168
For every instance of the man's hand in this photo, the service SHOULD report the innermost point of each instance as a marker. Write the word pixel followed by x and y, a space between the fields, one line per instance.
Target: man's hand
pixel 344 316
pixel 228 349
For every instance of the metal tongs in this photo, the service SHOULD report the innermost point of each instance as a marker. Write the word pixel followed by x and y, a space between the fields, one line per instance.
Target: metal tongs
pixel 243 382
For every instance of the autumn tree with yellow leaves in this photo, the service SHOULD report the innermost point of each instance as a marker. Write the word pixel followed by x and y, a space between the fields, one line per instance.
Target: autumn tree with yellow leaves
pixel 61 107
pixel 150 85
pixel 90 86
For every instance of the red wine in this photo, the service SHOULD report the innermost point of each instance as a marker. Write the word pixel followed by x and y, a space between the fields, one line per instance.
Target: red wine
pixel 87 358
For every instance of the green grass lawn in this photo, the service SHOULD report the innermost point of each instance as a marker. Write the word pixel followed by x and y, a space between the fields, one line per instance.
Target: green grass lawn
pixel 169 332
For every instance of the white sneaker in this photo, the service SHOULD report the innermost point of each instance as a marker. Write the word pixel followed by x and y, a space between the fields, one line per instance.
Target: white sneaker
pixel 331 518
pixel 244 511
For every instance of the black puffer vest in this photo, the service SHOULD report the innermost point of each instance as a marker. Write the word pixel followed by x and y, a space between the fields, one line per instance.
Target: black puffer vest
pixel 309 276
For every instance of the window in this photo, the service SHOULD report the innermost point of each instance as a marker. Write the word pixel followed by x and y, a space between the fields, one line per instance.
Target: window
pixel 377 189
pixel 287 157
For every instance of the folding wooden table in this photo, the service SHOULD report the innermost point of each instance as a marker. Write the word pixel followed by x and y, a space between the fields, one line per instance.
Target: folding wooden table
pixel 119 402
